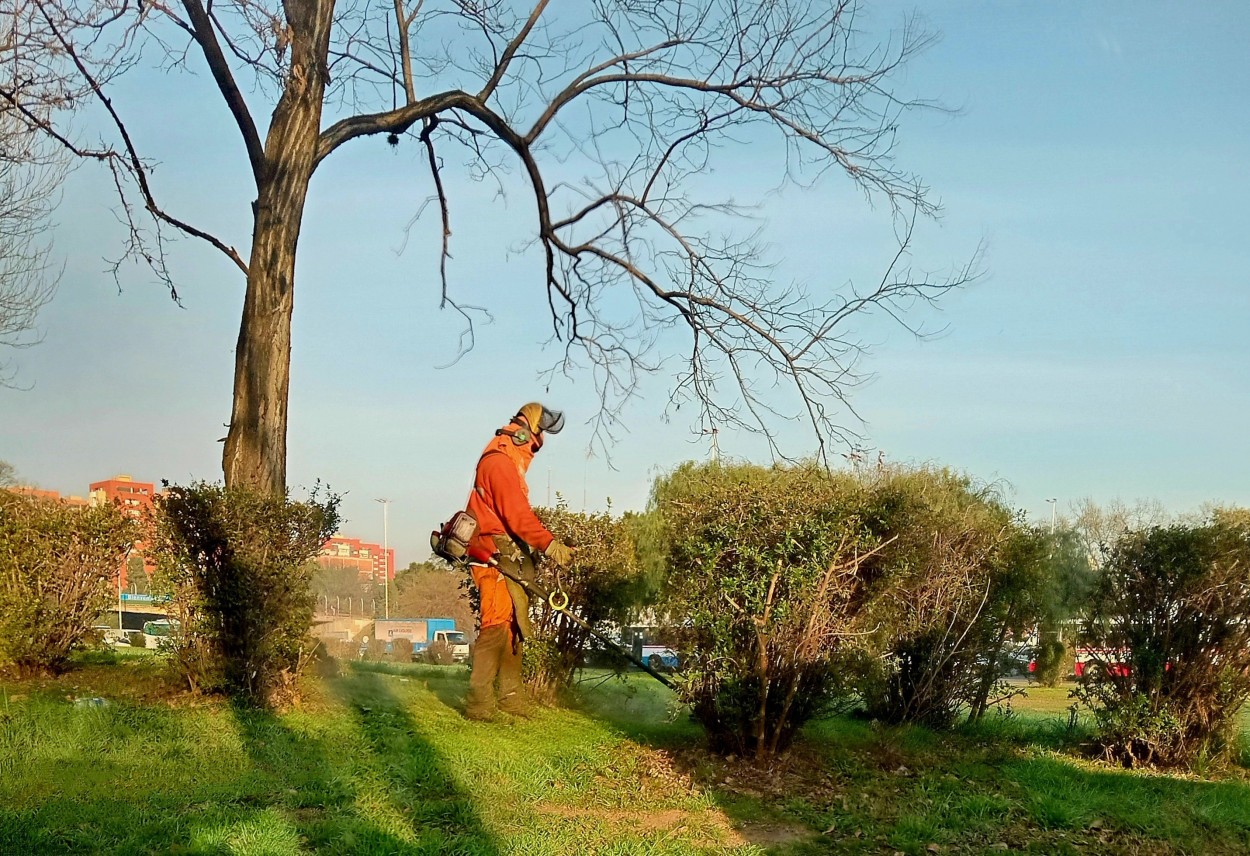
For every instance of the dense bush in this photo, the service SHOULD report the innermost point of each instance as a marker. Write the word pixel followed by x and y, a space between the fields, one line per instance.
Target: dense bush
pixel 1054 661
pixel 603 585
pixel 1169 624
pixel 795 587
pixel 439 653
pixel 375 649
pixel 58 572
pixel 770 571
pixel 342 649
pixel 401 650
pixel 963 577
pixel 236 563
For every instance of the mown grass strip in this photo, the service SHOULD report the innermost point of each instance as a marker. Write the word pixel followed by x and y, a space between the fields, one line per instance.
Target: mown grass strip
pixel 380 760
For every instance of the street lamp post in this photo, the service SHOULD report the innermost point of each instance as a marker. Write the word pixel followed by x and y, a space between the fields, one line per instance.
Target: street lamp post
pixel 1053 502
pixel 715 443
pixel 386 553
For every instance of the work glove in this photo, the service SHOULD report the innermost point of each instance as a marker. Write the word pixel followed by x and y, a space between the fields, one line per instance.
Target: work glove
pixel 560 553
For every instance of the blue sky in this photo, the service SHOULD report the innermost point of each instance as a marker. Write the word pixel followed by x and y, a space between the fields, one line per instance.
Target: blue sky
pixel 1101 152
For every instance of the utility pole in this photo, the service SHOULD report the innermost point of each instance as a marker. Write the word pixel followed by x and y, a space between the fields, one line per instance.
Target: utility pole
pixel 1053 502
pixel 386 553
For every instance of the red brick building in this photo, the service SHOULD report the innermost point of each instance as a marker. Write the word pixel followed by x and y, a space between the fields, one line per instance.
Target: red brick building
pixel 364 557
pixel 133 498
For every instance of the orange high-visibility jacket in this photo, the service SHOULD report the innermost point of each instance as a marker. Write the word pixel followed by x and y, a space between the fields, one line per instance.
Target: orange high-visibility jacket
pixel 500 502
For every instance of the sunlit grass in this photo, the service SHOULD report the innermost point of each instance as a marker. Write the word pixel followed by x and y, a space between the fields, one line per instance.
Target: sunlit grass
pixel 380 761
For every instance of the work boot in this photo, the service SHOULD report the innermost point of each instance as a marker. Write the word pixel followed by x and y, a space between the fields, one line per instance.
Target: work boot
pixel 479 713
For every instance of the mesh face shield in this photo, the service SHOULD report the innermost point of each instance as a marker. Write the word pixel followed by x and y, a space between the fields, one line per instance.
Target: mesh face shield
pixel 551 422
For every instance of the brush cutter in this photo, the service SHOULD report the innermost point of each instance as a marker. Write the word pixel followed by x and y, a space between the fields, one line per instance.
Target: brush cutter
pixel 558 600
pixel 452 543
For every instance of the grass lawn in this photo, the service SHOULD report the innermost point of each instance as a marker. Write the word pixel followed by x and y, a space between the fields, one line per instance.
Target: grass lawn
pixel 379 761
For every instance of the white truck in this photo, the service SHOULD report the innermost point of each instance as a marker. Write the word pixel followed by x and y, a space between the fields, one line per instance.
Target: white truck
pixel 423 632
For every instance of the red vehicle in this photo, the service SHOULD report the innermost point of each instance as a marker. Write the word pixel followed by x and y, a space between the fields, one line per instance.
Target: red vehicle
pixel 1115 660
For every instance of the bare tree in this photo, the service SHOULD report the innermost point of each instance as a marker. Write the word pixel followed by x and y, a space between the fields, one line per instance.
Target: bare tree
pixel 29 178
pixel 611 109
pixel 1100 528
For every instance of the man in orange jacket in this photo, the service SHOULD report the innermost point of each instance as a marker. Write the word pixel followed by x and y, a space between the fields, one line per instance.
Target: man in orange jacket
pixel 509 530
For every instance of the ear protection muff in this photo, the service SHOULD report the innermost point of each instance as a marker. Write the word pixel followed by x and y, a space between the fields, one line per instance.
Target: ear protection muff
pixel 521 434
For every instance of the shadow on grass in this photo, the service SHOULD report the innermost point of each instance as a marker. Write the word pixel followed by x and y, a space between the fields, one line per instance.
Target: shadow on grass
pixel 909 788
pixel 312 792
pixel 114 779
pixel 210 779
pixel 410 772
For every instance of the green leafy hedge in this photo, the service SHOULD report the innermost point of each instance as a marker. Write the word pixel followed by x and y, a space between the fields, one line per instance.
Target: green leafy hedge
pixel 236 564
pixel 1169 623
pixel 58 571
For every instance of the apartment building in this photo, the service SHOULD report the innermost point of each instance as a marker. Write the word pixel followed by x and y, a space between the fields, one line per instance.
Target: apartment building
pixel 365 558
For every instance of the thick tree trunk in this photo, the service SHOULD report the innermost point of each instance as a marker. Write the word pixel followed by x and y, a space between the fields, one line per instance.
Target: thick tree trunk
pixel 255 452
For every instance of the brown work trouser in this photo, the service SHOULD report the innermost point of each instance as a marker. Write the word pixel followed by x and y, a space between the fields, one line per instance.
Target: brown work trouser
pixel 497 655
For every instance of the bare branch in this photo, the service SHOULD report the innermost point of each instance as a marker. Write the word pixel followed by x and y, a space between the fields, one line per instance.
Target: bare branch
pixel 501 67
pixel 206 37
pixel 29 178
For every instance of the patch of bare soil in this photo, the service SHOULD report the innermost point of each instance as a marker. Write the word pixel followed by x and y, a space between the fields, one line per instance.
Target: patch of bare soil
pixel 795 774
pixel 726 834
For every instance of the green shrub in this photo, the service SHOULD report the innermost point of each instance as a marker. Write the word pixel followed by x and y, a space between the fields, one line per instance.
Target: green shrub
pixel 439 653
pixel 962 575
pixel 401 650
pixel 58 572
pixel 1169 623
pixel 1054 660
pixel 603 584
pixel 342 649
pixel 375 650
pixel 769 571
pixel 236 564
pixel 137 639
pixel 796 586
